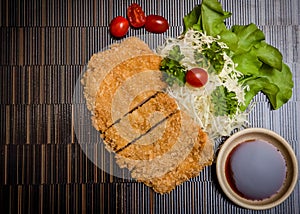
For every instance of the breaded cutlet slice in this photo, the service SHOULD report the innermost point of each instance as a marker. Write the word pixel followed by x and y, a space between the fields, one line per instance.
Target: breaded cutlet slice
pixel 200 157
pixel 183 160
pixel 156 142
pixel 140 121
pixel 109 105
pixel 103 62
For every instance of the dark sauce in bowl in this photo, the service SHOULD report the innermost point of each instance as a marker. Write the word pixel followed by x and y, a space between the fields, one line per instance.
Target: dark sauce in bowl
pixel 255 169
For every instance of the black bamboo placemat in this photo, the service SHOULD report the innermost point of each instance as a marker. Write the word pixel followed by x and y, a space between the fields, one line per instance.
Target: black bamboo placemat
pixel 44 46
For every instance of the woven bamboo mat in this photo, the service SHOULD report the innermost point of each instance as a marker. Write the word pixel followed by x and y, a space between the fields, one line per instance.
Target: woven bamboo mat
pixel 44 46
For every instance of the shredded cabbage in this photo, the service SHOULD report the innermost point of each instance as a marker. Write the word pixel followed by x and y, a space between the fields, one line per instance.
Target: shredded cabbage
pixel 198 101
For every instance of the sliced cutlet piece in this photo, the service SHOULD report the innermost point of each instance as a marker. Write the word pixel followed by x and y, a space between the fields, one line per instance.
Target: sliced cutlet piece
pixel 184 159
pixel 198 158
pixel 103 62
pixel 139 122
pixel 136 90
pixel 155 142
pixel 122 85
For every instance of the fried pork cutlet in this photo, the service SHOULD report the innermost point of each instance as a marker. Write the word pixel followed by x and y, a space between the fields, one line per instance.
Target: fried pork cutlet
pixel 161 145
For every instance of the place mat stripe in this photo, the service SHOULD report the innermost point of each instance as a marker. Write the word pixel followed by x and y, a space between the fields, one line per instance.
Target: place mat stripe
pixel 47 164
pixel 75 45
pixel 99 13
pixel 38 124
pixel 56 199
pixel 32 85
pixel 263 12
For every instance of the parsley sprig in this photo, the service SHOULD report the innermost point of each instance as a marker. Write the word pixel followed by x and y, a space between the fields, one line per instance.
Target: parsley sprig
pixel 173 70
pixel 225 102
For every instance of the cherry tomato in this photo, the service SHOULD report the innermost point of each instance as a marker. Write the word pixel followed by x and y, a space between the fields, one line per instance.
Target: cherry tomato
pixel 196 77
pixel 119 26
pixel 136 15
pixel 156 24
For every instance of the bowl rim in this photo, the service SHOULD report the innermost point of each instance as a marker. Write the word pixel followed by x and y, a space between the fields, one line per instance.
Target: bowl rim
pixel 231 143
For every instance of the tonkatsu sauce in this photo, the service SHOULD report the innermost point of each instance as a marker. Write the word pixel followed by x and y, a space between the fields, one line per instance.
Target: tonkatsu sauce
pixel 255 169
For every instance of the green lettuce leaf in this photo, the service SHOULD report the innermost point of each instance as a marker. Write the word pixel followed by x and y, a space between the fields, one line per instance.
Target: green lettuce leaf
pixel 248 63
pixel 192 18
pixel 213 17
pixel 269 55
pixel 248 36
pixel 283 80
pixel 277 86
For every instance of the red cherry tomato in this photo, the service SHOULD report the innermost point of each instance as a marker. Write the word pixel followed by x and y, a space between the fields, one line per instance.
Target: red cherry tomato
pixel 119 26
pixel 136 15
pixel 196 77
pixel 156 24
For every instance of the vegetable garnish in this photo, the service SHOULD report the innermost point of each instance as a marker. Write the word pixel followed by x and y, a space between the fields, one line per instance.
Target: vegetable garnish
pixel 173 70
pixel 239 64
pixel 204 103
pixel 119 26
pixel 136 18
pixel 260 63
pixel 196 77
pixel 156 24
pixel 136 15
